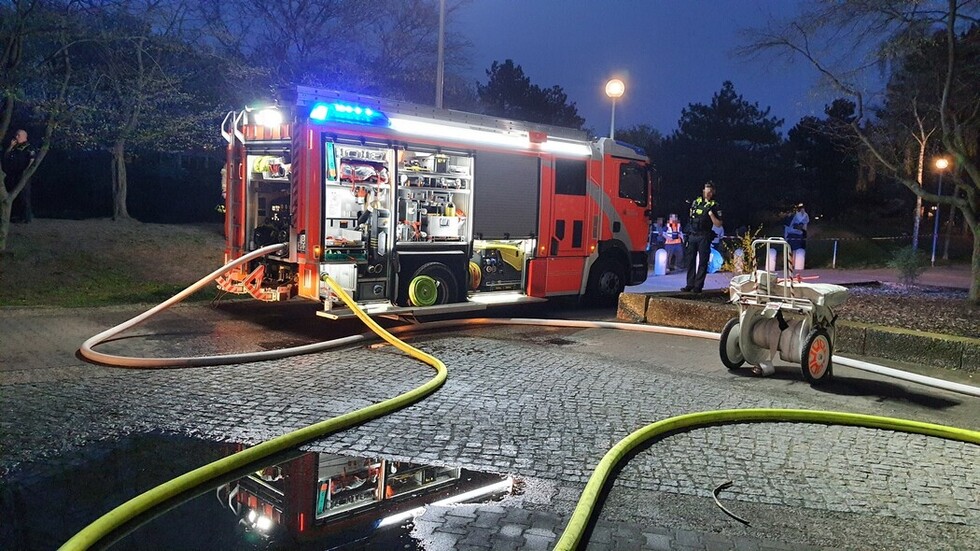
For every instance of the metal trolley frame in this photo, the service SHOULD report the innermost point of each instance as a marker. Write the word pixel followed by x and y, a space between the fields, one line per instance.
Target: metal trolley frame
pixel 784 315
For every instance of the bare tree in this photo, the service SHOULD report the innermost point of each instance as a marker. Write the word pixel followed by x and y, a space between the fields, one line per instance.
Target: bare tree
pixel 144 86
pixel 880 33
pixel 909 138
pixel 377 47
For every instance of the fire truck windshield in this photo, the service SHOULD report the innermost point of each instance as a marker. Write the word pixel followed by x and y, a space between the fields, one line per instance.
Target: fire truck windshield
pixel 633 183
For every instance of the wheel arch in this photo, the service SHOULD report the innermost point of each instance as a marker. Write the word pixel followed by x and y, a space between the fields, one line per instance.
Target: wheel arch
pixel 612 250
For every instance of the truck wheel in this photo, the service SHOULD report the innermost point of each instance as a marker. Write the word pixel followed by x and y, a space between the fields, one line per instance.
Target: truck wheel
pixel 816 357
pixel 607 279
pixel 728 347
pixel 433 283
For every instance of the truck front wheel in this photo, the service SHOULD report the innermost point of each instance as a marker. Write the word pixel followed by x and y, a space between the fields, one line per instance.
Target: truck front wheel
pixel 607 279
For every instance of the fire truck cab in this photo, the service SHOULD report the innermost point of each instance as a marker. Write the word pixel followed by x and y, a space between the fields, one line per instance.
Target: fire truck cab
pixel 411 207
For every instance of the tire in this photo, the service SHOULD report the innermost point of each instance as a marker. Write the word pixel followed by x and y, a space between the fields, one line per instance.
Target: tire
pixel 816 357
pixel 607 279
pixel 433 283
pixel 728 347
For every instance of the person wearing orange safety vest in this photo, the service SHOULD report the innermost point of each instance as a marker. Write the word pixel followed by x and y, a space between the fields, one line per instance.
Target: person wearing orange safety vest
pixel 673 243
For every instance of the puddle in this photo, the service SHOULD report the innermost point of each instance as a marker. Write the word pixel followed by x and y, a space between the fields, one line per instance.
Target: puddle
pixel 301 500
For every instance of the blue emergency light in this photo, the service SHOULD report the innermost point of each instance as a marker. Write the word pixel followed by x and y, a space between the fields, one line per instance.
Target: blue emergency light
pixel 349 113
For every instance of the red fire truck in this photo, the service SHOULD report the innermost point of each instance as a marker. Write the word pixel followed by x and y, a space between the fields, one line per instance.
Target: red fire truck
pixel 327 501
pixel 410 207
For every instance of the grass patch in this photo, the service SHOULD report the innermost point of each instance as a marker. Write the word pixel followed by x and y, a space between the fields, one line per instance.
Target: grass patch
pixel 79 287
pixel 75 264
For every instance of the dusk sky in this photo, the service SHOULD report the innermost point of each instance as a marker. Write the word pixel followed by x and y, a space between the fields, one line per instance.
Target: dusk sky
pixel 670 53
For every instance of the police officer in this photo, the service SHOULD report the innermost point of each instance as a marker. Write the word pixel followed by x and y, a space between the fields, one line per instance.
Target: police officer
pixel 17 157
pixel 705 214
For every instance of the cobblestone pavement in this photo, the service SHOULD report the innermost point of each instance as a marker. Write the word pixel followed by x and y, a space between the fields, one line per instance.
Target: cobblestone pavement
pixel 542 404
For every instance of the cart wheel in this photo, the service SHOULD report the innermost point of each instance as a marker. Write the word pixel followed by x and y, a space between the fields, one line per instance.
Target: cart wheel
pixel 728 348
pixel 816 358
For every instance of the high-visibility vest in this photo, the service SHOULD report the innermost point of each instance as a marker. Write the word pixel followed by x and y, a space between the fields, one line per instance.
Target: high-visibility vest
pixel 673 228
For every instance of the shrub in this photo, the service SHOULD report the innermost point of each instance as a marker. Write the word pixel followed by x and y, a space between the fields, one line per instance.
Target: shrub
pixel 910 264
pixel 741 257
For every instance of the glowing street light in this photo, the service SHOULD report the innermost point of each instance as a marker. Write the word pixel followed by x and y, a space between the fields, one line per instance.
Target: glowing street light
pixel 941 164
pixel 614 89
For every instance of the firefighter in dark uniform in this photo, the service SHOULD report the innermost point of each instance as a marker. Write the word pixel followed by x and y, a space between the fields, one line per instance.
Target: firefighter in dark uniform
pixel 705 214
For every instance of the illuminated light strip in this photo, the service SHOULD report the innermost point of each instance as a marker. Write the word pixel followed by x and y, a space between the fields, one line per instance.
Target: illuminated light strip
pixel 567 148
pixel 516 141
pixel 401 516
pixel 430 130
pixel 502 486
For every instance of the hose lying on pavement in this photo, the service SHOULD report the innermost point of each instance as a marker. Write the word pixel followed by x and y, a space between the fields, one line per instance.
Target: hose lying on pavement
pixel 145 501
pixel 582 515
pixel 87 348
pixel 577 524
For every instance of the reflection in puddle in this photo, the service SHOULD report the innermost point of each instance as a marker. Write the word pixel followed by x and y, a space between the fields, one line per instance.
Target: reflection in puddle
pixel 313 500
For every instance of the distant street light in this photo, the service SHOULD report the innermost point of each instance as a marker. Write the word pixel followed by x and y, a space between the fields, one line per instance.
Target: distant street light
pixel 941 165
pixel 614 89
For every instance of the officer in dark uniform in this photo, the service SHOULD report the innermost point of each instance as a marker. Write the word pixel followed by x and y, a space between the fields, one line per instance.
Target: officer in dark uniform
pixel 705 213
pixel 17 157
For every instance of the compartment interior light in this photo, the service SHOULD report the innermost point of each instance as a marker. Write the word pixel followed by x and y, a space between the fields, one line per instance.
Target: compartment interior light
pixel 347 112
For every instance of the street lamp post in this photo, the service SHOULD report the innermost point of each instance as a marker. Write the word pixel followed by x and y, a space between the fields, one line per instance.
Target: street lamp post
pixel 941 165
pixel 614 89
pixel 440 54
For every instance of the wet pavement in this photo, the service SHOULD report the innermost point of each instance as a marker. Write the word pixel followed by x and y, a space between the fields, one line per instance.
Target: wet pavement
pixel 296 500
pixel 539 404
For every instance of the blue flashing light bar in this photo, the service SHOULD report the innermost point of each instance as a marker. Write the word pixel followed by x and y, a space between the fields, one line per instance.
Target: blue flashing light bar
pixel 349 113
pixel 639 150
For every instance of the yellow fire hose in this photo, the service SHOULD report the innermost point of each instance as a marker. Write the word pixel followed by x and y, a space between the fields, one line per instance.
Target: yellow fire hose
pixel 143 502
pixel 582 514
pixel 579 521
